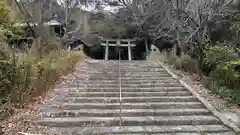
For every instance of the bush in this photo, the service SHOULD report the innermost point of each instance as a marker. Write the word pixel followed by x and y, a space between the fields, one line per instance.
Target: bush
pixel 185 63
pixel 224 64
pixel 172 59
pixel 25 75
pixel 11 30
pixel 231 95
pixel 178 63
pixel 219 54
pixel 228 73
pixel 4 12
pixel 51 45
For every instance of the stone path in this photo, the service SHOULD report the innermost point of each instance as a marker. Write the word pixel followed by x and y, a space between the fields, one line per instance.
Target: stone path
pixel 152 102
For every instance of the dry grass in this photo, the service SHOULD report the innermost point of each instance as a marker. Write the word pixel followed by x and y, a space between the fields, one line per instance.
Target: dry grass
pixel 191 67
pixel 25 76
pixel 37 92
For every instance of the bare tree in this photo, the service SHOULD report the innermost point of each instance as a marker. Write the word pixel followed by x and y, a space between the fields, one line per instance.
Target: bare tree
pixel 68 11
pixel 184 20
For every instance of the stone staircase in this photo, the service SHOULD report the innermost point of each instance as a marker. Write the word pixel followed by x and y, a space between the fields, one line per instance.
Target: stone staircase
pixel 152 102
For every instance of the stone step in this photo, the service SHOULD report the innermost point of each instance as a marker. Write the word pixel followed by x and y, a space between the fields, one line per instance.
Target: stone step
pixel 128 121
pixel 128 65
pixel 129 99
pixel 154 105
pixel 132 81
pixel 131 78
pixel 109 62
pixel 153 102
pixel 128 94
pixel 130 71
pixel 185 133
pixel 126 112
pixel 150 130
pixel 126 89
pixel 150 77
pixel 109 78
pixel 109 85
pixel 123 81
pixel 137 66
pixel 195 133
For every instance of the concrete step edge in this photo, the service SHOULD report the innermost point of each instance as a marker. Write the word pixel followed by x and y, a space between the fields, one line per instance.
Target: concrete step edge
pixel 154 105
pixel 125 94
pixel 160 130
pixel 125 112
pixel 128 121
pixel 130 99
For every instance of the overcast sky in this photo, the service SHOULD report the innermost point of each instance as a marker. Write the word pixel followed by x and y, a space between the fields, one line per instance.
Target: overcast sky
pixel 91 8
pixel 106 8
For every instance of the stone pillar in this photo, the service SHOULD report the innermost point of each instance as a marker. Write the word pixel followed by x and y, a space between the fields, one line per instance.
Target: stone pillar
pixel 146 47
pixel 106 50
pixel 118 49
pixel 69 48
pixel 129 51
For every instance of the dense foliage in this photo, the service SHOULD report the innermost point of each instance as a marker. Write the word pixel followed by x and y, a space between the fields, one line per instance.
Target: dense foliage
pixel 209 35
pixel 25 75
pixel 221 63
pixel 11 30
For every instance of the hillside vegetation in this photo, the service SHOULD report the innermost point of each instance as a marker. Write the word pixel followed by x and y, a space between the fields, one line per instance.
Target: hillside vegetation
pixel 207 33
pixel 29 73
pixel 218 65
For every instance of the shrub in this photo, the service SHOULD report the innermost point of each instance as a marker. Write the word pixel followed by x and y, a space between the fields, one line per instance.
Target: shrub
pixel 51 45
pixel 185 63
pixel 11 30
pixel 172 59
pixel 229 73
pixel 4 12
pixel 178 63
pixel 231 95
pixel 25 75
pixel 224 63
pixel 219 54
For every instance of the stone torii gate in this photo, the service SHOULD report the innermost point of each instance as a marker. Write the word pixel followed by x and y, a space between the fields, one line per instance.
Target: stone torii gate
pixel 118 43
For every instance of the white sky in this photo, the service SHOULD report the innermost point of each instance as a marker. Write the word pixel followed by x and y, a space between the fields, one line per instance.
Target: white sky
pixel 91 8
pixel 107 8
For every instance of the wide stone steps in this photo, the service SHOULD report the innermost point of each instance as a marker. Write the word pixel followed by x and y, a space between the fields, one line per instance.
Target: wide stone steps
pixel 152 102
pixel 128 71
pixel 133 81
pixel 128 94
pixel 151 130
pixel 130 99
pixel 141 85
pixel 166 85
pixel 144 105
pixel 125 89
pixel 133 78
pixel 163 79
pixel 111 82
pixel 129 121
pixel 126 112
